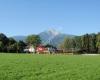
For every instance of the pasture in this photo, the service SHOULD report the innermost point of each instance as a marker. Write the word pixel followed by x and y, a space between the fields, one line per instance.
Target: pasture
pixel 49 67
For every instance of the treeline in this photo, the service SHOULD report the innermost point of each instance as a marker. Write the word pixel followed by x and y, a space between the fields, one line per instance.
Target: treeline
pixel 88 43
pixel 10 45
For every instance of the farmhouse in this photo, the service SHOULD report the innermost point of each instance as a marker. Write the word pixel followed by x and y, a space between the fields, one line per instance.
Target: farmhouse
pixel 45 49
pixel 29 49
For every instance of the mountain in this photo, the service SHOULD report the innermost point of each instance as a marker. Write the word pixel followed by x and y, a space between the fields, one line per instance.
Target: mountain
pixel 47 36
pixel 18 38
pixel 59 38
pixel 53 37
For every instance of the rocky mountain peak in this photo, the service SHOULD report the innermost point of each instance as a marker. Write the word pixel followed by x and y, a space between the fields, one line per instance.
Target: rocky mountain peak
pixel 54 32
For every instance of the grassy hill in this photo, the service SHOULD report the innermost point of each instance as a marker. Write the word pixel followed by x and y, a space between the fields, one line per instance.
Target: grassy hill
pixel 49 67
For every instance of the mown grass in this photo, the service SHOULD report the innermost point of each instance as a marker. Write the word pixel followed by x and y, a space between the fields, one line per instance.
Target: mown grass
pixel 49 67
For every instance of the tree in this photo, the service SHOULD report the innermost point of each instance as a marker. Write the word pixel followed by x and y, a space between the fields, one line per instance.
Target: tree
pixel 78 42
pixel 89 43
pixel 12 47
pixel 1 46
pixel 92 43
pixel 67 45
pixel 3 42
pixel 11 41
pixel 33 40
pixel 20 46
pixel 4 39
pixel 85 43
pixel 98 42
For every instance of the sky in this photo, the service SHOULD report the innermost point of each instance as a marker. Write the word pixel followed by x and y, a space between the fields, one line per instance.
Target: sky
pixel 24 17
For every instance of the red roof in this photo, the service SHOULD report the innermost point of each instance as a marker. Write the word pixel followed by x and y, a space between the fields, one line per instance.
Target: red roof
pixel 40 48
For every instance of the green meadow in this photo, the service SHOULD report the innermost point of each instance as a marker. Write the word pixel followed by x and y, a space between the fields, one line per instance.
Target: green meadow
pixel 49 67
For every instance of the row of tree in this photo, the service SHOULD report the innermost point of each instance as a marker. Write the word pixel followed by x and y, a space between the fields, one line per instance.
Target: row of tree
pixel 88 43
pixel 10 45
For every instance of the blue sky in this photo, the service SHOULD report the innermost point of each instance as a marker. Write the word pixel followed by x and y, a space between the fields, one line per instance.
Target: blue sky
pixel 23 17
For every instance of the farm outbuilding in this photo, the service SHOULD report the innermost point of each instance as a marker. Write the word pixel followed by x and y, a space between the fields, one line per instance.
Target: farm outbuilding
pixel 29 49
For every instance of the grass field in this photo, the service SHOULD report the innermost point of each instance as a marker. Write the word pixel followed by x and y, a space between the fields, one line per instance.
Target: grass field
pixel 49 67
